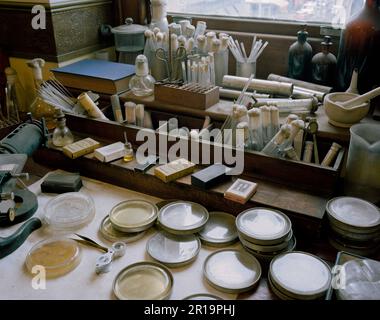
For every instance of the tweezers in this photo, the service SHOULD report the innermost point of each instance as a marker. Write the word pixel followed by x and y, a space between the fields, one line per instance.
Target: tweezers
pixel 89 242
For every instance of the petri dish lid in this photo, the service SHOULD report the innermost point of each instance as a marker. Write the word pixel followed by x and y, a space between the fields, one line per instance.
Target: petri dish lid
pixel 202 296
pixel 220 229
pixel 173 250
pixel 109 233
pixel 354 212
pixel 300 275
pixel 143 281
pixel 263 226
pixel 69 211
pixel 232 271
pixel 133 215
pixel 57 255
pixel 129 28
pixel 183 216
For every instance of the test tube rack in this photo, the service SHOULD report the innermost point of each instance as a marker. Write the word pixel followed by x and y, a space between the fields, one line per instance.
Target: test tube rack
pixel 190 95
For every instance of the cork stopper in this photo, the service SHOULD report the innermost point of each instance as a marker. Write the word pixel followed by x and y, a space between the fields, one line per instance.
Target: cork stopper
pixel 142 68
pixel 283 134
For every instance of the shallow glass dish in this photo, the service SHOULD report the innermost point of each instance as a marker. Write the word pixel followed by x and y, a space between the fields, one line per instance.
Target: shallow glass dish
pixel 232 271
pixel 109 233
pixel 183 217
pixel 263 226
pixel 220 230
pixel 57 255
pixel 353 214
pixel 69 211
pixel 172 250
pixel 268 249
pixel 143 281
pixel 300 275
pixel 133 215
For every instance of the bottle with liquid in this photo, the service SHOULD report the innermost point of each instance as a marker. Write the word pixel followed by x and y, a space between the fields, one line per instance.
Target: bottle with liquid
pixel 142 84
pixel 128 156
pixel 360 48
pixel 62 135
pixel 159 13
pixel 300 54
pixel 324 65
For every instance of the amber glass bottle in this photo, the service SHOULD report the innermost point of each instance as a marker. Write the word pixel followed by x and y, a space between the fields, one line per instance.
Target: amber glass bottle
pixel 300 54
pixel 360 48
pixel 324 65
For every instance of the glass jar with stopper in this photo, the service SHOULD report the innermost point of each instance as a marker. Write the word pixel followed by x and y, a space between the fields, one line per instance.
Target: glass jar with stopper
pixel 324 65
pixel 62 135
pixel 142 84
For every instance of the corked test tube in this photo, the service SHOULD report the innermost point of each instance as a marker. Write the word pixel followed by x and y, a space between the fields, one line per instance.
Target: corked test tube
pixel 308 152
pixel 184 23
pixel 140 111
pixel 90 106
pixel 201 44
pixel 200 29
pixel 290 153
pixel 275 120
pixel 130 112
pixel 266 124
pixel 330 156
pixel 296 127
pixel 255 129
pixel 210 36
pixel 242 136
pixel 115 102
pixel 272 148
pixel 290 118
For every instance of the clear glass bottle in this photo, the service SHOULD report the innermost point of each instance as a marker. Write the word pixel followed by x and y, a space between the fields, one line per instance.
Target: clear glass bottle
pixel 128 150
pixel 159 14
pixel 142 84
pixel 62 135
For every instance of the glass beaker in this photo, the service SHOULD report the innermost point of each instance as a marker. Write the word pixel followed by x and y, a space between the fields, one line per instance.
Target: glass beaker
pixel 245 69
pixel 363 163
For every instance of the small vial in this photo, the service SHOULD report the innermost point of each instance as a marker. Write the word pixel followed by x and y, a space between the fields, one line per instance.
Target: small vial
pixel 308 152
pixel 330 156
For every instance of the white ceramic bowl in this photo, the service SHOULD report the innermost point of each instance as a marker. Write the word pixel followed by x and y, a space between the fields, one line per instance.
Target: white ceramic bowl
pixel 340 116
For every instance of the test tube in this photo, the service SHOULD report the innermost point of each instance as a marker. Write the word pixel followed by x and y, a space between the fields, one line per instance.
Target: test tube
pixel 330 156
pixel 272 148
pixel 210 36
pixel 296 126
pixel 255 129
pixel 275 120
pixel 266 124
pixel 117 114
pixel 140 111
pixel 184 23
pixel 201 44
pixel 130 112
pixel 290 118
pixel 189 31
pixel 308 152
pixel 290 153
pixel 200 29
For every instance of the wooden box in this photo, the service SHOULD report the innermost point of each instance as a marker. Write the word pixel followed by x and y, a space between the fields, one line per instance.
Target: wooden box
pixel 188 95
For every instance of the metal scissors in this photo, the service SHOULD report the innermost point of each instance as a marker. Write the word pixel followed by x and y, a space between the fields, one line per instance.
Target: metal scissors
pixel 172 63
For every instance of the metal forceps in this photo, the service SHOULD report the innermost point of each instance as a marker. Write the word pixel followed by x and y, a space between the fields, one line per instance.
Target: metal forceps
pixel 103 262
pixel 312 129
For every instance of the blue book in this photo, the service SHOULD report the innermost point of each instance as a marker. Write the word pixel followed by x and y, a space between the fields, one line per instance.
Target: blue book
pixel 100 76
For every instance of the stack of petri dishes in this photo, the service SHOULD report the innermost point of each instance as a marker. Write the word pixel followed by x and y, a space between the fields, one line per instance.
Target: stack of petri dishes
pixel 176 244
pixel 354 225
pixel 299 276
pixel 129 220
pixel 265 233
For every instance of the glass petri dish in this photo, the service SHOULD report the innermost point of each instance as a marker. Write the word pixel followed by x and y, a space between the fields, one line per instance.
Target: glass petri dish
pixel 263 226
pixel 202 296
pixel 183 217
pixel 133 215
pixel 57 255
pixel 232 271
pixel 109 233
pixel 69 211
pixel 300 275
pixel 172 250
pixel 143 281
pixel 353 212
pixel 219 230
pixel 270 248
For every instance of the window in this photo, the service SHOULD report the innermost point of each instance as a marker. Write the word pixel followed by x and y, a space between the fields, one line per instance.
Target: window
pixel 331 12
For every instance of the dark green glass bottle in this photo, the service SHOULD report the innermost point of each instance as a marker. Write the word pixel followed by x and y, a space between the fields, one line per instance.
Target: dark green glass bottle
pixel 324 65
pixel 300 54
